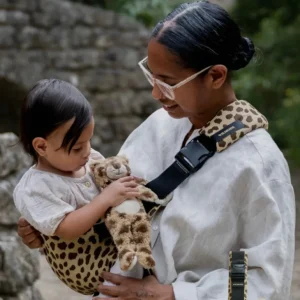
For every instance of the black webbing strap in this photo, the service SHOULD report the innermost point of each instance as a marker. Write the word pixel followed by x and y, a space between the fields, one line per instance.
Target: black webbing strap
pixel 187 161
pixel 238 273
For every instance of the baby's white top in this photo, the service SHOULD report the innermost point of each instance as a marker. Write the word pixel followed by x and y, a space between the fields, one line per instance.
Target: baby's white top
pixel 45 198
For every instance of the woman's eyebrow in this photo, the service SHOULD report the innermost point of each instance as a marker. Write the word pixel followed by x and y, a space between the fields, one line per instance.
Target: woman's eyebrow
pixel 161 75
pixel 165 76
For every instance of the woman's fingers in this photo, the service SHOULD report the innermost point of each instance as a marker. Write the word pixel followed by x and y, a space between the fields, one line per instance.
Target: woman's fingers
pixel 113 278
pixel 31 237
pixel 37 243
pixel 32 240
pixel 110 290
pixel 24 228
pixel 22 222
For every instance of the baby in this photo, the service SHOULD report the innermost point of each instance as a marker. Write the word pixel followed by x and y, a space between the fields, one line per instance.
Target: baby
pixel 58 195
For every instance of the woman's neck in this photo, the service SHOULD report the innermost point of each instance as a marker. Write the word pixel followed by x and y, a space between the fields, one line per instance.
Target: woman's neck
pixel 221 100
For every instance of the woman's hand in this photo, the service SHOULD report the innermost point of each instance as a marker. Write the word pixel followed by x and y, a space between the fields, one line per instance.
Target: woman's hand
pixel 127 288
pixel 30 236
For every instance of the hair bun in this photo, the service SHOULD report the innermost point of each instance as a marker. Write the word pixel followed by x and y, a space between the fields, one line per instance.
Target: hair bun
pixel 243 55
pixel 249 46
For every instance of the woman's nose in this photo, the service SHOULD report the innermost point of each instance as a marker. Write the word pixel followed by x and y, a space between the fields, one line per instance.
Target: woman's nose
pixel 156 93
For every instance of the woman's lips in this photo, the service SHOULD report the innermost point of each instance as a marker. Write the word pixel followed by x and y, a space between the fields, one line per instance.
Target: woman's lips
pixel 170 107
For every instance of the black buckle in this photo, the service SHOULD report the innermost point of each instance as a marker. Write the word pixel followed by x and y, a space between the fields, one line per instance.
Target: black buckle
pixel 196 153
pixel 238 272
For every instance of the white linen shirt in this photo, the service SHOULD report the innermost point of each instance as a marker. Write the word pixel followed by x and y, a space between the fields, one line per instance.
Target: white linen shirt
pixel 242 198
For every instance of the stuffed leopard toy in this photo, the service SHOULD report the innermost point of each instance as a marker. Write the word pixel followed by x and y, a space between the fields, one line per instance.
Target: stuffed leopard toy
pixel 128 222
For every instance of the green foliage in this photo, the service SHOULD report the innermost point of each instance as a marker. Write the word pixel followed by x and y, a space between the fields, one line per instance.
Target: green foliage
pixel 288 124
pixel 249 13
pixel 272 84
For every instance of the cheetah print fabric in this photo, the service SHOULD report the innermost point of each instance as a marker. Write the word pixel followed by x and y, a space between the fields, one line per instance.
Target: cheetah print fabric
pixel 79 263
pixel 239 110
pixel 245 281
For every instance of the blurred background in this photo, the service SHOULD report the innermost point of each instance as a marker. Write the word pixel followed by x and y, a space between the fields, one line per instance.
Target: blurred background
pixel 96 45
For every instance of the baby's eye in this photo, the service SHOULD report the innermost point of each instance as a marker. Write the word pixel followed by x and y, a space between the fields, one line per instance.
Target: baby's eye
pixel 77 149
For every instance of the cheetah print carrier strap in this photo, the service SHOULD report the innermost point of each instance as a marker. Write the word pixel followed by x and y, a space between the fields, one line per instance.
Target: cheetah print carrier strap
pixel 232 123
pixel 227 127
pixel 238 269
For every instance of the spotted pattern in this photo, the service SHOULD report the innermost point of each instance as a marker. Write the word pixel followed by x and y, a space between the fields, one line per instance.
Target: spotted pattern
pixel 238 110
pixel 78 263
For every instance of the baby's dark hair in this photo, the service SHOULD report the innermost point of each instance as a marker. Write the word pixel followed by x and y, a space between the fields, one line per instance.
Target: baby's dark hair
pixel 203 34
pixel 48 105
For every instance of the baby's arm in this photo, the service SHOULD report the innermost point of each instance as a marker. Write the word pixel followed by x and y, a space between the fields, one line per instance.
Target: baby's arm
pixel 81 220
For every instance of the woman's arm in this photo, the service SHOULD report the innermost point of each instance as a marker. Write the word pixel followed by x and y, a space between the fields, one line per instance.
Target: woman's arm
pixel 266 229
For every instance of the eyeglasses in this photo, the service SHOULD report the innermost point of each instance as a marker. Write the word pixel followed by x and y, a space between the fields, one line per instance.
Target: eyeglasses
pixel 166 89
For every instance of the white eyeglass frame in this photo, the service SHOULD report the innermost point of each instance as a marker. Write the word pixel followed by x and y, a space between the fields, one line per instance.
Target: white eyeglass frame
pixel 164 87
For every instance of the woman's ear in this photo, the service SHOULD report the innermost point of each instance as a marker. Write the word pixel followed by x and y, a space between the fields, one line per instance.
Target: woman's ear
pixel 218 75
pixel 40 146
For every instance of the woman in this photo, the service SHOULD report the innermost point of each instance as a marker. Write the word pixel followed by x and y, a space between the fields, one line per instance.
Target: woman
pixel 242 198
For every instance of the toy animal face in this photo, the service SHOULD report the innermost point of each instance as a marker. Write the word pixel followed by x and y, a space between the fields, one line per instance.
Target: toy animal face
pixel 110 169
pixel 117 170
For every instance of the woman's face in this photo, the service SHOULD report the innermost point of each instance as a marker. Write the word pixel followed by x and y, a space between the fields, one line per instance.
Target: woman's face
pixel 193 98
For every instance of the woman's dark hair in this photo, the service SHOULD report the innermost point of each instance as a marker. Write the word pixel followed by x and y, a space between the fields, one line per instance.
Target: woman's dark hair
pixel 203 34
pixel 49 104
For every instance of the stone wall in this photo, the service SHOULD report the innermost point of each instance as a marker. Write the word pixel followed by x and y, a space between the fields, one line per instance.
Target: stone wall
pixel 19 266
pixel 96 50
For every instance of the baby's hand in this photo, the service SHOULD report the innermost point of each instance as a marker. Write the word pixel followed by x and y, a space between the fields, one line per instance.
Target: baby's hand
pixel 121 190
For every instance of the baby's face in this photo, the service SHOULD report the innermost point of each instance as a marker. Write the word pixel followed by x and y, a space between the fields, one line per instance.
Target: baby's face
pixel 59 158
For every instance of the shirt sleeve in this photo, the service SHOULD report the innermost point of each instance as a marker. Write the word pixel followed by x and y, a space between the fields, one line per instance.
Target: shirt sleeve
pixel 267 226
pixel 41 206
